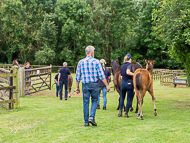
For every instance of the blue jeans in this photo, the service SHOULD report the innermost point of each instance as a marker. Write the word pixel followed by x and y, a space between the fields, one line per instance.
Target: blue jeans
pixel 104 91
pixel 126 86
pixel 89 89
pixel 57 89
pixel 61 82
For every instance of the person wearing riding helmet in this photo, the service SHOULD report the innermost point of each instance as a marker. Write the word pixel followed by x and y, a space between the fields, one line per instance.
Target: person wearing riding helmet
pixel 102 86
pixel 126 84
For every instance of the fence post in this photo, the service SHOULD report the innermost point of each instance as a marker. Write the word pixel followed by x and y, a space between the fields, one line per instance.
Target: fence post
pixel 11 91
pixel 21 81
pixel 17 85
pixel 50 75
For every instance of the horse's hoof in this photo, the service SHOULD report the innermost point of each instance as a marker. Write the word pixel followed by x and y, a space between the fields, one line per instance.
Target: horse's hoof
pixel 142 118
pixel 136 111
pixel 155 113
pixel 138 117
pixel 131 109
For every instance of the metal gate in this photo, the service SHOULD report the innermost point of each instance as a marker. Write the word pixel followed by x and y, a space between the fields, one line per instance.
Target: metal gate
pixel 37 79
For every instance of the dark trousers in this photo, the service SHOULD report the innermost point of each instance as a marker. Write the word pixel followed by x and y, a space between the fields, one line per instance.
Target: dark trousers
pixel 61 82
pixel 126 86
pixel 57 89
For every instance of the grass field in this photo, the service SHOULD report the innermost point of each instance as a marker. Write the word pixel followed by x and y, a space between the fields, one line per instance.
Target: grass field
pixel 47 119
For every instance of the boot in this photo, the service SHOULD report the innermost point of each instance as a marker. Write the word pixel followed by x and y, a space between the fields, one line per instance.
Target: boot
pixel 104 107
pixel 98 106
pixel 120 113
pixel 126 115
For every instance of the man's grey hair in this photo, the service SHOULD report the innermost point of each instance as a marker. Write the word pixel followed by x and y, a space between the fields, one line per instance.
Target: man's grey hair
pixel 89 49
pixel 65 63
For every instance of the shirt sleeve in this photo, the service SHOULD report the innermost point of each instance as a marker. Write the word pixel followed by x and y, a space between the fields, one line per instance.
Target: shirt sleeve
pixel 69 72
pixel 129 67
pixel 109 73
pixel 100 71
pixel 78 73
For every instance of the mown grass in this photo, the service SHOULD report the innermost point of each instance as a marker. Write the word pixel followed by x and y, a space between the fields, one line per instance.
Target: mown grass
pixel 47 119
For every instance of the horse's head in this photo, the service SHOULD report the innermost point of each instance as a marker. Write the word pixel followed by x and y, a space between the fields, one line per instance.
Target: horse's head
pixel 15 62
pixel 114 65
pixel 149 65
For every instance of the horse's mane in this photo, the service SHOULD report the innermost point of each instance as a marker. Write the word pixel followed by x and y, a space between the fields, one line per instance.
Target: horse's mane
pixel 114 66
pixel 135 66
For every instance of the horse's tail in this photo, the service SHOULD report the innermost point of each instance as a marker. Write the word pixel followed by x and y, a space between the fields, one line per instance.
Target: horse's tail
pixel 138 81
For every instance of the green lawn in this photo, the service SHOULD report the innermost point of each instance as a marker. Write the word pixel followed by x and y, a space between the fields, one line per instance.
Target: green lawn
pixel 47 119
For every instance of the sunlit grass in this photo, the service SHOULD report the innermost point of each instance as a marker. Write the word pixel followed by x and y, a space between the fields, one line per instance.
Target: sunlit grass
pixel 47 119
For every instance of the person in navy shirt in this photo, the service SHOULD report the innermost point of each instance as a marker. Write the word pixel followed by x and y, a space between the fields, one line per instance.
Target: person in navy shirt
pixel 63 79
pixel 56 82
pixel 126 84
pixel 102 86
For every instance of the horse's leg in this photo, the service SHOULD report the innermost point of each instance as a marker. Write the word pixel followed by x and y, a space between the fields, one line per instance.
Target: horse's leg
pixel 119 100
pixel 131 108
pixel 118 90
pixel 142 94
pixel 69 93
pixel 137 106
pixel 138 102
pixel 119 103
pixel 153 99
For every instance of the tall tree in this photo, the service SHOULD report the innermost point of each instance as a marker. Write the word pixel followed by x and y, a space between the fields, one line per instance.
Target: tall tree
pixel 173 26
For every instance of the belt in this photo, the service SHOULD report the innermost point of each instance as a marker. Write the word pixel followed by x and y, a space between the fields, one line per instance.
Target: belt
pixel 128 80
pixel 90 83
pixel 95 82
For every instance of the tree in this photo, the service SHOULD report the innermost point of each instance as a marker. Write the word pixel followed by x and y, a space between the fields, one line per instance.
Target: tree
pixel 173 26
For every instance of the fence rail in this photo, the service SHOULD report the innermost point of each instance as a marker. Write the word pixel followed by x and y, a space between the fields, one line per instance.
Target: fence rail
pixel 37 79
pixel 9 100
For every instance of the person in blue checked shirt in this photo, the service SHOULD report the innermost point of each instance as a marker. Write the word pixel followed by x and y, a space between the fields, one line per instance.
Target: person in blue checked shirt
pixel 89 71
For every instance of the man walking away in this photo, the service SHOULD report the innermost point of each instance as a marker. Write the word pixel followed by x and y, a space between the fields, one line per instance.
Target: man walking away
pixel 63 79
pixel 89 71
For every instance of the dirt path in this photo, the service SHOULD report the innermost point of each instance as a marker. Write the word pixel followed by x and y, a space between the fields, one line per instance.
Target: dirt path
pixel 50 94
pixel 170 84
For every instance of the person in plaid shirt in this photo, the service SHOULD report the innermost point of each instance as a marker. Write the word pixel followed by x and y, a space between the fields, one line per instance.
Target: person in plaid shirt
pixel 89 71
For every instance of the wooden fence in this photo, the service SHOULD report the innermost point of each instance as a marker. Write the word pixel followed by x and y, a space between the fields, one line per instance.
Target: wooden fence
pixel 168 76
pixel 9 90
pixel 37 79
pixel 54 68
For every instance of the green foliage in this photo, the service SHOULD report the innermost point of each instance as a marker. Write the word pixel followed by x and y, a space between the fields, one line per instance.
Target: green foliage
pixel 45 56
pixel 173 26
pixel 146 29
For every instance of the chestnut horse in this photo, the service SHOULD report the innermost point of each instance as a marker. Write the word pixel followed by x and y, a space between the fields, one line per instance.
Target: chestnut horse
pixel 117 79
pixel 142 81
pixel 69 86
